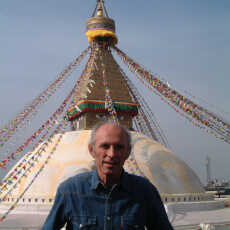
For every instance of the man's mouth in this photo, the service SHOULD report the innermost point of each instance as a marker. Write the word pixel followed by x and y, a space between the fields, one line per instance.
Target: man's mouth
pixel 110 162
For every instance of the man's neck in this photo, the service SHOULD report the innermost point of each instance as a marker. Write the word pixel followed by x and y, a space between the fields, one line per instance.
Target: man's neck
pixel 109 180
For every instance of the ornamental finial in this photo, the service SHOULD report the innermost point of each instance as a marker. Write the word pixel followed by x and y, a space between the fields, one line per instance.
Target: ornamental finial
pixel 101 27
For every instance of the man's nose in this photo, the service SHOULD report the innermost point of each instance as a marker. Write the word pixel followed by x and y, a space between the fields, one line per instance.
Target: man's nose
pixel 111 151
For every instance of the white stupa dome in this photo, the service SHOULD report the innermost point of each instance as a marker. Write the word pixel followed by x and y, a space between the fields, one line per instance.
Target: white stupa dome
pixel 161 166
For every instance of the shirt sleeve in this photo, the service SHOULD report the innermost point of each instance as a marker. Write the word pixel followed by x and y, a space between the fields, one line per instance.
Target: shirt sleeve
pixel 56 218
pixel 158 218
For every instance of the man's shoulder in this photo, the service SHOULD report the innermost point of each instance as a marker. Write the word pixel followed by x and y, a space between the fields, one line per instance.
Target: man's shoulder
pixel 136 180
pixel 141 186
pixel 77 179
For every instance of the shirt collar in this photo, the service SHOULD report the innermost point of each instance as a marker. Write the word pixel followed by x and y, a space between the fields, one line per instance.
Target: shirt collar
pixel 95 179
pixel 124 180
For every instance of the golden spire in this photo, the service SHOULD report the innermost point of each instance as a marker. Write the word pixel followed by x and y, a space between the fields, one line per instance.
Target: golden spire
pixel 101 27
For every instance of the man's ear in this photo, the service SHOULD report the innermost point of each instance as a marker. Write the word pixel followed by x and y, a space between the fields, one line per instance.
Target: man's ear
pixel 90 148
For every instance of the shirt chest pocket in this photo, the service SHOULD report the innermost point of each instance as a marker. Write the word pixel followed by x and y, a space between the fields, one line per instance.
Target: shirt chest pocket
pixel 133 222
pixel 83 222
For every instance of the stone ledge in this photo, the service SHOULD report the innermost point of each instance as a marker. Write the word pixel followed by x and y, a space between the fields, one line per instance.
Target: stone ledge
pixel 178 207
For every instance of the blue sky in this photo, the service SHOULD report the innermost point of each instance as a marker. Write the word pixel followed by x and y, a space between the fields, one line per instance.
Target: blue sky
pixel 187 42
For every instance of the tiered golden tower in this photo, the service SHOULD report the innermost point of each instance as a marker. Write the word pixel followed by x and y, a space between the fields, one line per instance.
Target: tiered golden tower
pixel 101 30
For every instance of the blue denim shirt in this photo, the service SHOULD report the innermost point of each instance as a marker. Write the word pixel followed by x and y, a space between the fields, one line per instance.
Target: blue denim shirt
pixel 83 202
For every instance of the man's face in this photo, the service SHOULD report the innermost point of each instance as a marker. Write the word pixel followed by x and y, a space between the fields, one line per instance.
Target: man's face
pixel 110 151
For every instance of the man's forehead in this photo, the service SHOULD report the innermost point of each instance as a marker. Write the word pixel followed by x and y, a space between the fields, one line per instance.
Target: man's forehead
pixel 109 130
pixel 110 126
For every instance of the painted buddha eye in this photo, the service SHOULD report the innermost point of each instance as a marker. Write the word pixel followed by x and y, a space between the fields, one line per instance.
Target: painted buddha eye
pixel 101 116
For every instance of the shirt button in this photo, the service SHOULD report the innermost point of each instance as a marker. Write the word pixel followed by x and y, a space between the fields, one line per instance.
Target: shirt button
pixel 80 225
pixel 136 226
pixel 108 218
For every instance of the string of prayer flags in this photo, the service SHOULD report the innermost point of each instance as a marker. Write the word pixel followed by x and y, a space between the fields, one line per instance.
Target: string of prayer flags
pixel 195 97
pixel 83 79
pixel 28 113
pixel 131 161
pixel 37 174
pixel 145 119
pixel 195 113
pixel 53 118
pixel 108 100
pixel 42 148
pixel 30 164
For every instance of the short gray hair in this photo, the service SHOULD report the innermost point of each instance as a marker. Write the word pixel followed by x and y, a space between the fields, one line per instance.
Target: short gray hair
pixel 105 122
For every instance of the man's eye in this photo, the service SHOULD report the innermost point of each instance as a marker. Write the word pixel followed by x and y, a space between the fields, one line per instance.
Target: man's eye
pixel 105 146
pixel 119 147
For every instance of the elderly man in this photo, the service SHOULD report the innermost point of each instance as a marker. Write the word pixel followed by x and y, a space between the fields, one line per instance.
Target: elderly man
pixel 108 197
